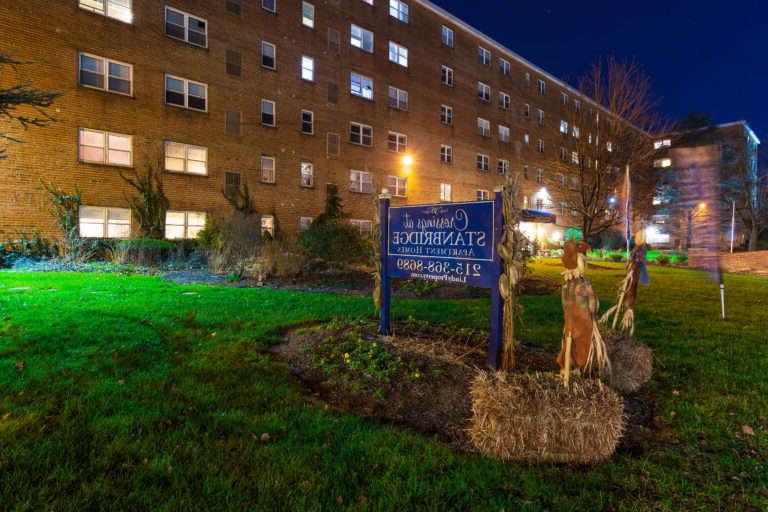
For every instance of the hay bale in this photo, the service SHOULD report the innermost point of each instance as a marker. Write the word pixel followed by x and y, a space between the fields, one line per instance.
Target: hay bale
pixel 532 417
pixel 631 363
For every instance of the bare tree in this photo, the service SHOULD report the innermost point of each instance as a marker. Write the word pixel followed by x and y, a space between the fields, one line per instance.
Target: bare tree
pixel 151 204
pixel 22 105
pixel 605 128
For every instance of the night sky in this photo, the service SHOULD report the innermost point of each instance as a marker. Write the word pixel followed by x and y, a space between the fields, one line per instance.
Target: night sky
pixel 709 57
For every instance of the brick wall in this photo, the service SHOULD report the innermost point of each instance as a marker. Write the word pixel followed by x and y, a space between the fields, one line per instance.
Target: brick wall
pixel 755 262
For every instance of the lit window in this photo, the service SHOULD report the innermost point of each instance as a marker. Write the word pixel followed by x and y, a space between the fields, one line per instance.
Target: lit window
pixel 98 147
pixel 539 176
pixel 542 87
pixel 361 134
pixel 360 85
pixel 307 68
pixel 101 222
pixel 307 122
pixel 360 181
pixel 527 140
pixel 268 226
pixel 397 142
pixel 118 9
pixel 662 162
pixel 483 127
pixel 269 5
pixel 483 195
pixel 186 158
pixel 502 166
pixel 106 74
pixel 184 93
pixel 181 225
pixel 504 133
pixel 483 91
pixel 662 143
pixel 307 14
pixel 399 10
pixel 505 101
pixel 361 38
pixel 484 56
pixel 304 223
pixel 268 116
pixel 609 146
pixel 398 54
pixel 576 132
pixel 446 115
pixel 446 154
pixel 504 67
pixel 446 192
pixel 268 55
pixel 267 169
pixel 446 36
pixel 564 127
pixel 364 227
pixel 574 157
pixel 482 162
pixel 540 116
pixel 397 185
pixel 446 76
pixel 540 145
pixel 307 174
pixel 398 98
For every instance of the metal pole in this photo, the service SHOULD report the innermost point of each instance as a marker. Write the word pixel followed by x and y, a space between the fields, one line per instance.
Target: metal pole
pixel 497 303
pixel 384 316
pixel 722 299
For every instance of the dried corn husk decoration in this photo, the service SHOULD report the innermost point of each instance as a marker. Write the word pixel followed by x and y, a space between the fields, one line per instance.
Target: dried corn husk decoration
pixel 377 255
pixel 627 296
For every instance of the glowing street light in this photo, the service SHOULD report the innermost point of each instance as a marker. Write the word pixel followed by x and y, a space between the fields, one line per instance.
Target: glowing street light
pixel 407 160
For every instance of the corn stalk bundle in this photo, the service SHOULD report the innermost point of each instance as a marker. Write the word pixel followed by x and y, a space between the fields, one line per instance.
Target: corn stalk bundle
pixel 376 255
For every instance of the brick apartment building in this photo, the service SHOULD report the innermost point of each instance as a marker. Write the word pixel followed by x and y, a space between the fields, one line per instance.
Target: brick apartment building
pixel 693 209
pixel 284 95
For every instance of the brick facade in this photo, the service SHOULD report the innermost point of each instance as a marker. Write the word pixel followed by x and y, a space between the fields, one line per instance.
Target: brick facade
pixel 53 33
pixel 754 262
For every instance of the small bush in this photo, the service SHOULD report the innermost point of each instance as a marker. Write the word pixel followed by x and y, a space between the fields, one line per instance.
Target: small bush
pixel 25 245
pixel 335 241
pixel 146 252
pixel 420 288
pixel 616 257
pixel 232 245
pixel 278 258
pixel 663 259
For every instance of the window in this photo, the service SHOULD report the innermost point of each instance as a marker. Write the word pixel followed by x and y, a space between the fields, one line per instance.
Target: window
pixel 662 162
pixel 502 166
pixel 361 38
pixel 446 76
pixel 662 143
pixel 307 174
pixel 307 68
pixel 369 2
pixel 445 192
pixel 540 176
pixel 563 154
pixel 180 225
pixel 268 225
pixel 483 56
pixel 539 204
pixel 397 186
pixel 397 142
pixel 269 5
pixel 100 222
pixel 304 223
pixel 483 127
pixel 526 111
pixel 361 134
pixel 267 170
pixel 360 181
pixel 332 145
pixel 268 117
pixel 232 124
pixel 446 115
pixel 504 67
pixel 98 147
pixel 526 140
pixel 234 63
pixel 564 127
pixel 364 227
pixel 446 154
pixel 503 133
pixel 542 87
pixel 577 105
pixel 307 122
pixel 234 7
pixel 231 183
pixel 307 14
pixel 360 85
pixel 563 98
pixel 446 36
pixel 186 158
pixel 106 74
pixel 398 54
pixel 609 146
pixel 576 132
pixel 268 55
pixel 574 157
pixel 185 27
pixel 527 78
pixel 525 172
pixel 117 9
pixel 483 195
pixel 399 10
pixel 184 93
pixel 483 91
pixel 334 41
pixel 398 98
pixel 540 145
pixel 482 162
pixel 540 117
pixel 505 102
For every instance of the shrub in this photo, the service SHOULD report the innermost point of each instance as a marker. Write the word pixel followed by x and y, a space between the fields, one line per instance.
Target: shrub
pixel 146 252
pixel 233 244
pixel 282 257
pixel 616 257
pixel 24 245
pixel 663 259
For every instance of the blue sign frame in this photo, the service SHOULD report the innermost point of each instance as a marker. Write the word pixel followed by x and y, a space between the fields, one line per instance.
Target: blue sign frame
pixel 451 243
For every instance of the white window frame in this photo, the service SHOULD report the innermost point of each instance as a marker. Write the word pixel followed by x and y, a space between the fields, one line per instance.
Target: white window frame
pixel 527 110
pixel 398 10
pixel 274 112
pixel 186 83
pixel 360 182
pixel 268 8
pixel 106 220
pixel 274 54
pixel 107 6
pixel 446 154
pixel 564 127
pixel 190 230
pixel 398 54
pixel 482 162
pixel 446 76
pixel 540 145
pixel 105 76
pixel 311 121
pixel 540 117
pixel 662 143
pixel 446 115
pixel 358 81
pixel 308 21
pixel 362 128
pixel 484 92
pixel 505 101
pixel 482 195
pixel 502 166
pixel 398 186
pixel 307 68
pixel 267 174
pixel 363 226
pixel 446 192
pixel 504 133
pixel 540 176
pixel 397 142
pixel 483 127
pixel 400 99
pixel 307 174
pixel 484 56
pixel 305 223
pixel 542 87
pixel 447 36
pixel 186 159
pixel 563 98
pixel 105 148
pixel 267 225
pixel 186 27
pixel 359 41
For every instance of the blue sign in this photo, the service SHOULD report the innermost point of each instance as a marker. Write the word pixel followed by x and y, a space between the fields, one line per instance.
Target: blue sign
pixel 448 243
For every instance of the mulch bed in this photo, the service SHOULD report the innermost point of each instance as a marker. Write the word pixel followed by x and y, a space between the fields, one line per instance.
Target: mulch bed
pixel 439 403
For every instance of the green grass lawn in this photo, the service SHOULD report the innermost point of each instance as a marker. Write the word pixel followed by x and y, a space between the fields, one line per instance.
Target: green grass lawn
pixel 127 392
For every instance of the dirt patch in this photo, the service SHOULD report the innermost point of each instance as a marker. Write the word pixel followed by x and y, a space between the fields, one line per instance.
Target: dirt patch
pixel 594 266
pixel 420 378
